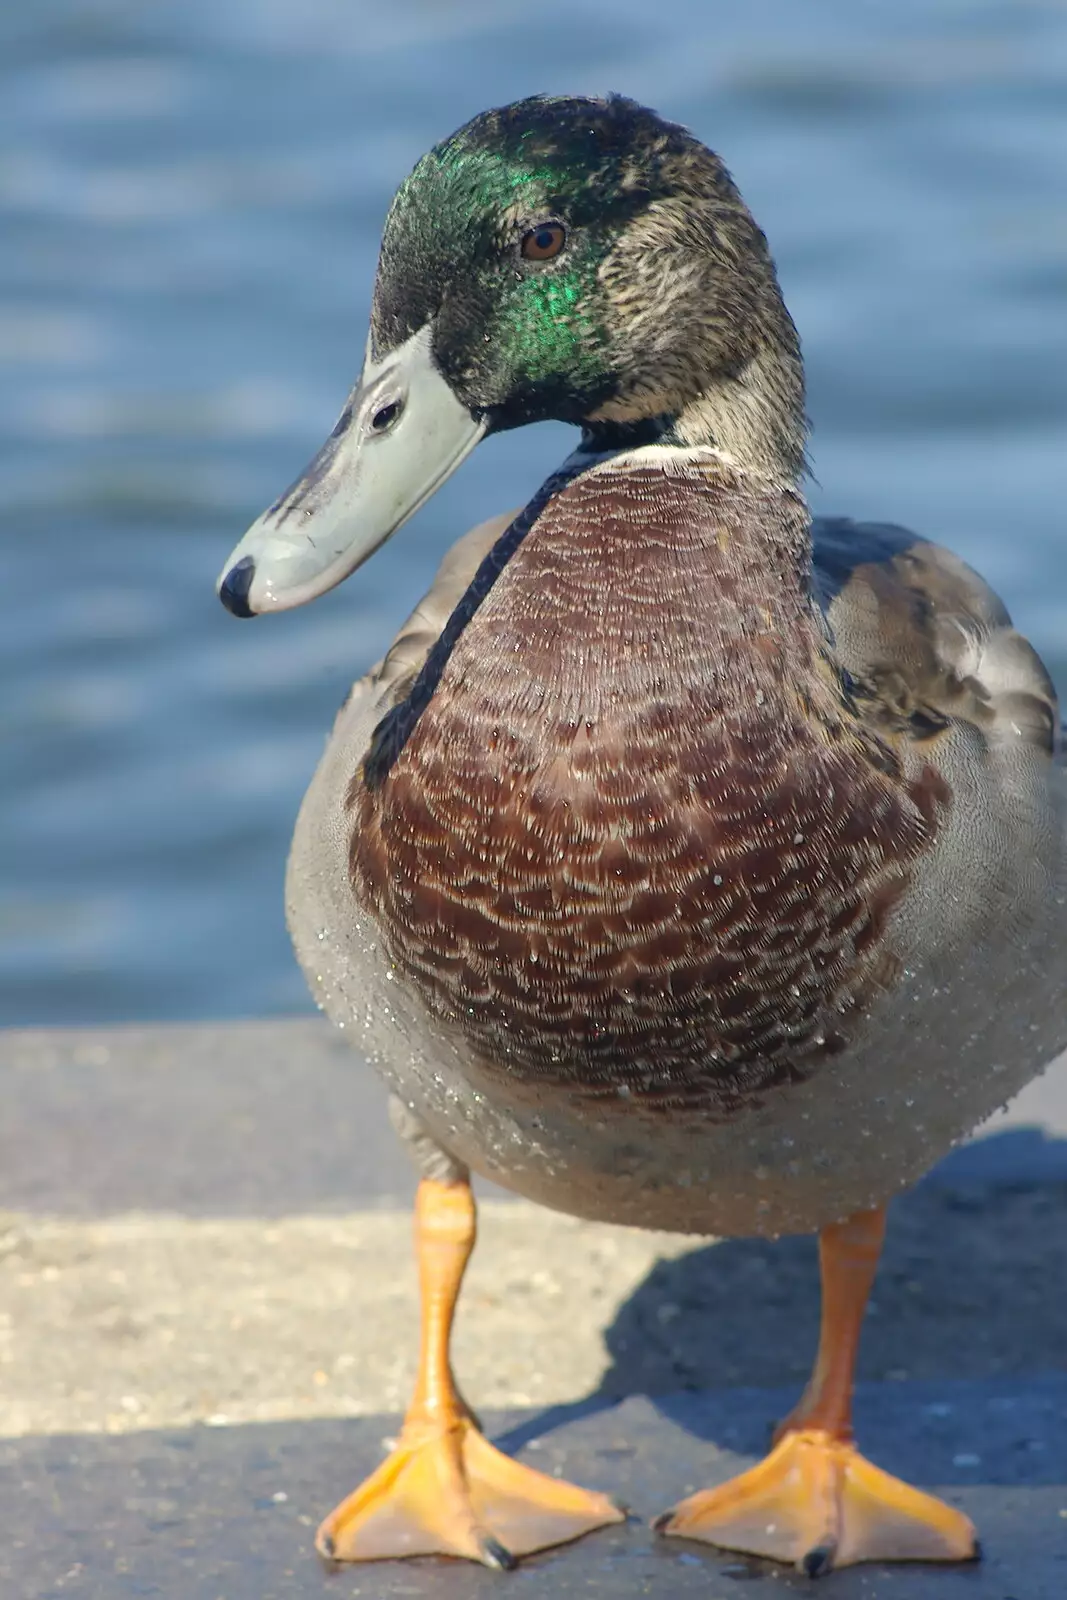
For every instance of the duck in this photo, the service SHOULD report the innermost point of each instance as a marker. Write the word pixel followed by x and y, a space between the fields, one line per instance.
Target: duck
pixel 687 862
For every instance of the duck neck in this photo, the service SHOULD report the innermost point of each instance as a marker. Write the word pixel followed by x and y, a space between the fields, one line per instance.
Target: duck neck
pixel 754 417
pixel 752 414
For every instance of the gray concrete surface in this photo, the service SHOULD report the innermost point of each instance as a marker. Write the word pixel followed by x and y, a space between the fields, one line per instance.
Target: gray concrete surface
pixel 260 1118
pixel 229 1514
pixel 207 1305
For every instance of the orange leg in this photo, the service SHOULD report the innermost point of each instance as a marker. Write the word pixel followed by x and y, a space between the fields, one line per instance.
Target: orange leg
pixel 445 1490
pixel 814 1500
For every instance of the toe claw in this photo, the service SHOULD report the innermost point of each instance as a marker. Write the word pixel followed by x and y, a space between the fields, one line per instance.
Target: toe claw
pixel 818 1562
pixel 494 1554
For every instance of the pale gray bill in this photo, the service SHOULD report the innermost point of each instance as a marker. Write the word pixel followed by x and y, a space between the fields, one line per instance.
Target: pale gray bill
pixel 375 470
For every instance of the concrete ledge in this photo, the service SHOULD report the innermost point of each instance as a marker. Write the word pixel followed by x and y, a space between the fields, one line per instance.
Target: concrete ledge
pixel 179 1321
pixel 235 1320
pixel 256 1118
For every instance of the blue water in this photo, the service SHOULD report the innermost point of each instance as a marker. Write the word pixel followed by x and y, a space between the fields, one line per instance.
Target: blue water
pixel 190 201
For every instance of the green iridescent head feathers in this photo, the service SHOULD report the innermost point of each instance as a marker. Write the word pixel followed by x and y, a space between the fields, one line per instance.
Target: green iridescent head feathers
pixel 661 315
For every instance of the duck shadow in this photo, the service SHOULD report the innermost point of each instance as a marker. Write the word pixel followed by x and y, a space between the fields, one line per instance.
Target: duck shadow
pixel 969 1288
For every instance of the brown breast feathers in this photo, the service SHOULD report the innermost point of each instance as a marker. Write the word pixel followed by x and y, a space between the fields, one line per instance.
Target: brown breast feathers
pixel 629 835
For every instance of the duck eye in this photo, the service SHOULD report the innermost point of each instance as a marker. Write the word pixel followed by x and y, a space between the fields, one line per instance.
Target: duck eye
pixel 543 242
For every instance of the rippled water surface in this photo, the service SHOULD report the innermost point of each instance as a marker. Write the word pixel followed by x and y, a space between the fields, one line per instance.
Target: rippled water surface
pixel 190 202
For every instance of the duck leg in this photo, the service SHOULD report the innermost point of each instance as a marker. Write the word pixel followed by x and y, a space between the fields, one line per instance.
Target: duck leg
pixel 814 1500
pixel 445 1490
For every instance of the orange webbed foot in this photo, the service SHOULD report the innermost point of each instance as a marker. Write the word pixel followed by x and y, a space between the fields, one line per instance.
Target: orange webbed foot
pixel 448 1491
pixel 816 1502
pixel 445 1490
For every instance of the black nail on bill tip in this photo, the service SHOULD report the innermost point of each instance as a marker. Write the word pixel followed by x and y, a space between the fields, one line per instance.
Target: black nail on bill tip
pixel 233 590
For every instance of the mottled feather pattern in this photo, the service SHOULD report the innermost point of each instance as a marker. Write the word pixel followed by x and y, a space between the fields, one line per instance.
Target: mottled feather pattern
pixel 628 835
pixel 928 636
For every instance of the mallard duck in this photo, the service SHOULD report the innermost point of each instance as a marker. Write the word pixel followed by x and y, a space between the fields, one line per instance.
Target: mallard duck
pixel 685 863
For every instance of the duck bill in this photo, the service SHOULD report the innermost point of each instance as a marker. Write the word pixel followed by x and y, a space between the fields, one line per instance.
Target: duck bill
pixel 401 434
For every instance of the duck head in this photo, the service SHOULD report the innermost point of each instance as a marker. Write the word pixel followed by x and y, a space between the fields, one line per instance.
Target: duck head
pixel 576 259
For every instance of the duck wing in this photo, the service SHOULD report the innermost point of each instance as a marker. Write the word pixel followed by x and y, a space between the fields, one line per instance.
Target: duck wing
pixel 926 639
